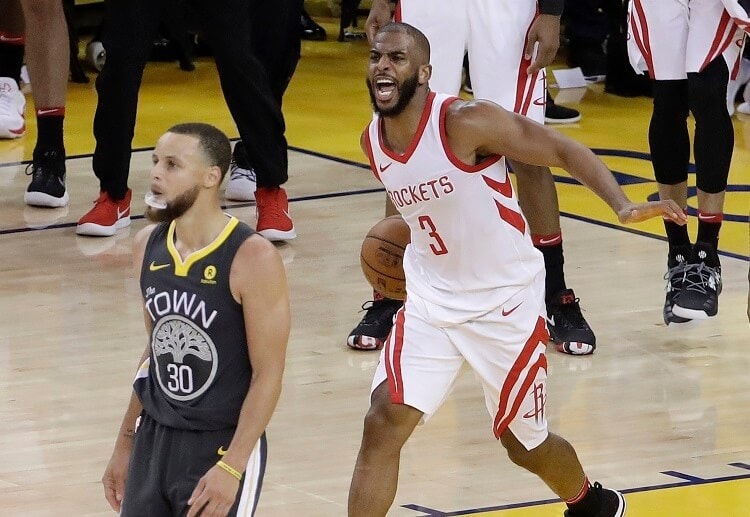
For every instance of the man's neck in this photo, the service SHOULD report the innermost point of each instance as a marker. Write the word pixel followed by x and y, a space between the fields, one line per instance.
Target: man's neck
pixel 400 130
pixel 197 228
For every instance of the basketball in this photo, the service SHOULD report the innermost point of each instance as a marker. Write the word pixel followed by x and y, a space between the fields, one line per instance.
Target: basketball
pixel 382 256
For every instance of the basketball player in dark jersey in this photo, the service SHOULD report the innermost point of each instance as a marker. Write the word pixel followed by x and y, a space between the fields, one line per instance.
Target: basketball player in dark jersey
pixel 216 308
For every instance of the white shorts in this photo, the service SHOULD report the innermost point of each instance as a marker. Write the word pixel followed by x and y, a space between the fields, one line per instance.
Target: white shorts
pixel 505 348
pixel 671 38
pixel 494 34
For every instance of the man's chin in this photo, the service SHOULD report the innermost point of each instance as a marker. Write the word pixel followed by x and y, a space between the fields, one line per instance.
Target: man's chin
pixel 156 215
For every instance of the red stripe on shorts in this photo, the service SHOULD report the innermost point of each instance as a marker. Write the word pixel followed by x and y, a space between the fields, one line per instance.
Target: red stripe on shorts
pixel 642 38
pixel 525 84
pixel 393 348
pixel 718 46
pixel 503 416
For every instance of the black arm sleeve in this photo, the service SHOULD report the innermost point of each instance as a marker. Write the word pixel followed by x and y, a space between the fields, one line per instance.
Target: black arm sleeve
pixel 553 7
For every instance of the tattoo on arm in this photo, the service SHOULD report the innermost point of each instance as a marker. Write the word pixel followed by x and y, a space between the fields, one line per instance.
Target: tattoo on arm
pixel 129 433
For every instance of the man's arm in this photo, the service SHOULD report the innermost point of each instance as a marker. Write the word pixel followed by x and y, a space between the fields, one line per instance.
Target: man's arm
pixel 380 16
pixel 545 30
pixel 114 477
pixel 482 128
pixel 258 282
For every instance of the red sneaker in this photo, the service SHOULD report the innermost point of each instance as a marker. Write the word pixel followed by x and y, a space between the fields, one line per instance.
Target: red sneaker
pixel 274 222
pixel 106 217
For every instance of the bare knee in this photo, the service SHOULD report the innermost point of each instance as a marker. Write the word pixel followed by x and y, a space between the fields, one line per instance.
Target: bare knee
pixel 518 454
pixel 387 426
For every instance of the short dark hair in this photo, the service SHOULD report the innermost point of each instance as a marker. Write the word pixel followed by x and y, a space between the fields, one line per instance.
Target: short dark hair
pixel 212 141
pixel 419 38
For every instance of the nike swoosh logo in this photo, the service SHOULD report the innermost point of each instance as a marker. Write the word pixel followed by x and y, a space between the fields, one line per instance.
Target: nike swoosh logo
pixel 384 168
pixel 156 267
pixel 46 112
pixel 506 313
pixel 551 321
pixel 541 101
pixel 6 39
pixel 221 451
pixel 702 217
pixel 122 214
pixel 549 241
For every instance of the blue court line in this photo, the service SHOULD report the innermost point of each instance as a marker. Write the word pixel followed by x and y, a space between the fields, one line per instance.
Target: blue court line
pixel 689 481
pixel 559 179
pixel 682 475
pixel 740 465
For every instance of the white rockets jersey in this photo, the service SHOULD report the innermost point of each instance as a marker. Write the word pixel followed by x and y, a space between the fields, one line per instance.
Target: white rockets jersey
pixel 470 245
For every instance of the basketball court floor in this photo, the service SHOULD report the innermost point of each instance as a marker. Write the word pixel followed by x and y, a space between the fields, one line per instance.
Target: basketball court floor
pixel 660 413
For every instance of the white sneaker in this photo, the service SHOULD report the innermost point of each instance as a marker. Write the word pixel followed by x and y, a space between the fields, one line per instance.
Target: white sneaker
pixel 744 108
pixel 12 109
pixel 241 185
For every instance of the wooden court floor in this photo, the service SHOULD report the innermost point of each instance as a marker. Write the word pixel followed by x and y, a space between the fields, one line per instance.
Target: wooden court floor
pixel 659 412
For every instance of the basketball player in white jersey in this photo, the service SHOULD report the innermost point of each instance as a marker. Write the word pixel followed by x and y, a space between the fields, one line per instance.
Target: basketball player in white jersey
pixel 474 279
pixel 690 48
pixel 500 37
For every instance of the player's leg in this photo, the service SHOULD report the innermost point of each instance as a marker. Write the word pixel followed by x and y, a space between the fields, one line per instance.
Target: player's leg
pixel 148 462
pixel 444 23
pixel 127 35
pixel 207 448
pixel 276 43
pixel 372 330
pixel 254 109
pixel 48 62
pixel 417 369
pixel 12 100
pixel 657 39
pixel 709 67
pixel 507 353
pixel 499 73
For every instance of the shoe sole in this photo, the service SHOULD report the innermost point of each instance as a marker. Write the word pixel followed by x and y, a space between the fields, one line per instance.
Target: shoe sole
pixel 364 343
pixel 692 314
pixel 572 120
pixel 620 512
pixel 278 235
pixel 45 200
pixel 12 134
pixel 98 230
pixel 575 348
pixel 238 195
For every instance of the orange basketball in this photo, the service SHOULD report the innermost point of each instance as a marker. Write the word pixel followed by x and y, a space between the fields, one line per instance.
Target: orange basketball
pixel 382 256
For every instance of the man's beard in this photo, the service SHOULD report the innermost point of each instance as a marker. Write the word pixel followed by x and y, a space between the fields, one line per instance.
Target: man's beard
pixel 405 94
pixel 175 209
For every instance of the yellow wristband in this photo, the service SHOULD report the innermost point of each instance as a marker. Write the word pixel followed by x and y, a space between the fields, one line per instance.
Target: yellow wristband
pixel 235 473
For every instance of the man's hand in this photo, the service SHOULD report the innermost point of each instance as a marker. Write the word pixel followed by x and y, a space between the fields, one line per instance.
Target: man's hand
pixel 546 31
pixel 214 495
pixel 380 16
pixel 114 477
pixel 637 212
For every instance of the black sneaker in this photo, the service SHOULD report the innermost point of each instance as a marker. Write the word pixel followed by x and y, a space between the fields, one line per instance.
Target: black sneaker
pixel 47 187
pixel 372 331
pixel 699 299
pixel 675 276
pixel 555 114
pixel 567 326
pixel 611 503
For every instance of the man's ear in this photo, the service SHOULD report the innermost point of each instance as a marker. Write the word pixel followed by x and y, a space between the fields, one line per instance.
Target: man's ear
pixel 425 72
pixel 212 178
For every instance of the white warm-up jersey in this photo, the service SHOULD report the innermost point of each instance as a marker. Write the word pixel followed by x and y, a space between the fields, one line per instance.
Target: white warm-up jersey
pixel 470 245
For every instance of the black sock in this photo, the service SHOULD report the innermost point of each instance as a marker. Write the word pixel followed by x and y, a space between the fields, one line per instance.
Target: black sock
pixel 11 58
pixel 588 504
pixel 554 280
pixel 709 226
pixel 679 242
pixel 50 132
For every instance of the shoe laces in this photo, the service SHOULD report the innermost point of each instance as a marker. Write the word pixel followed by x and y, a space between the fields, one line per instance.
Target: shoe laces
pixel 571 310
pixel 43 165
pixel 376 311
pixel 698 278
pixel 239 172
pixel 675 276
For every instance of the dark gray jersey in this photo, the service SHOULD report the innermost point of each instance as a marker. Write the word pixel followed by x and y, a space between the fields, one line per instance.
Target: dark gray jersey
pixel 199 370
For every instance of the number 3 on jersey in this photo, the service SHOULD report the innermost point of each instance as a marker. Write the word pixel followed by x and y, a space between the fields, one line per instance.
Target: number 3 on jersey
pixel 438 248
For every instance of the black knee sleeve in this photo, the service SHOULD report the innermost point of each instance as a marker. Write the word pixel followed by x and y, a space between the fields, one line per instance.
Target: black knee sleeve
pixel 668 134
pixel 714 134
